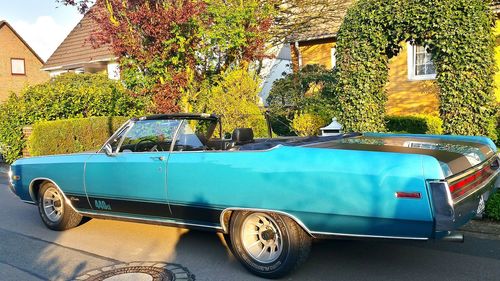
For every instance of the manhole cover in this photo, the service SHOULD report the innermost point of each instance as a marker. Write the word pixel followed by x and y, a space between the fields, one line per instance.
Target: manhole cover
pixel 139 271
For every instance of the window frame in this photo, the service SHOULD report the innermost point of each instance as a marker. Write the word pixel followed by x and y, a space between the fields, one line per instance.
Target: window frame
pixel 12 69
pixel 333 56
pixel 412 75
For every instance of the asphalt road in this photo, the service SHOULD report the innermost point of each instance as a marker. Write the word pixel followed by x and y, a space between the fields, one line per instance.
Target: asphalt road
pixel 29 251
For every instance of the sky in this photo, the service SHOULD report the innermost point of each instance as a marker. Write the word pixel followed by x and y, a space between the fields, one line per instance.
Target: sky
pixel 43 24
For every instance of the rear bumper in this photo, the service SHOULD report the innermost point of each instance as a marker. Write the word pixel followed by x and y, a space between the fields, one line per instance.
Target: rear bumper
pixel 453 216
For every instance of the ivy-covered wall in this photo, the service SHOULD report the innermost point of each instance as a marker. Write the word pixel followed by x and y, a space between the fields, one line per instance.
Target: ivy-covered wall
pixel 459 36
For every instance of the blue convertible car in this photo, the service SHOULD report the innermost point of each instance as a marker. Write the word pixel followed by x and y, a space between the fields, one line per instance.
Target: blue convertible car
pixel 269 197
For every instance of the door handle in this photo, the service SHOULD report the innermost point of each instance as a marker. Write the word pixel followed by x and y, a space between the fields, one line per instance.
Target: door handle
pixel 160 158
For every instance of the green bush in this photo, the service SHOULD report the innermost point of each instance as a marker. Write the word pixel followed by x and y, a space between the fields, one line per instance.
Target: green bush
pixel 66 96
pixel 307 124
pixel 234 97
pixel 308 91
pixel 415 124
pixel 371 34
pixel 493 207
pixel 71 135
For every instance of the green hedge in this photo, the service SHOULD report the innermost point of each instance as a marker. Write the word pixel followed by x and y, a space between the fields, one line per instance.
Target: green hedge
pixel 416 124
pixel 71 135
pixel 493 207
pixel 66 96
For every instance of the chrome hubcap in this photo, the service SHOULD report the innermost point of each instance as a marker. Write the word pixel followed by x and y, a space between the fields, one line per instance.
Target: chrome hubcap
pixel 52 204
pixel 261 238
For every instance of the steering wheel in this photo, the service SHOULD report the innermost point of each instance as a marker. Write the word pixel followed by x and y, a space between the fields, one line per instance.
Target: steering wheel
pixel 154 147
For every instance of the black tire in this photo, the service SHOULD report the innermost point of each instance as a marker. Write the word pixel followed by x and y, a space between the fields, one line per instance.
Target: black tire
pixel 295 250
pixel 69 218
pixel 227 239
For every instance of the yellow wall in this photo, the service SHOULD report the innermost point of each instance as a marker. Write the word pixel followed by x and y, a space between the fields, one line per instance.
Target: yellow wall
pixel 407 97
pixel 497 59
pixel 12 47
pixel 317 53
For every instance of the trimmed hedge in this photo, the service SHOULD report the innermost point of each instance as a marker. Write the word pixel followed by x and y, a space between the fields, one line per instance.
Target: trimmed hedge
pixel 493 207
pixel 71 135
pixel 66 96
pixel 415 124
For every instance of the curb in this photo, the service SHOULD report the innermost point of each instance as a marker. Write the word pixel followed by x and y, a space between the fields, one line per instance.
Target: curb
pixel 482 229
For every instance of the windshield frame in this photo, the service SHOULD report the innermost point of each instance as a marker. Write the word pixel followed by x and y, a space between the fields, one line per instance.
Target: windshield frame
pixel 127 126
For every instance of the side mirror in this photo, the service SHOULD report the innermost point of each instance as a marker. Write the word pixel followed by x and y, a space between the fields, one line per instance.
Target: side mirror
pixel 108 150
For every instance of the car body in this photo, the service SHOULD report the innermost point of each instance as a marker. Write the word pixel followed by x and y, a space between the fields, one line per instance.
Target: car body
pixel 167 169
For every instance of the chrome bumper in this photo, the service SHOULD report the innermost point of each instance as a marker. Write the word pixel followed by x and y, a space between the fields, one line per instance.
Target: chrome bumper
pixel 451 216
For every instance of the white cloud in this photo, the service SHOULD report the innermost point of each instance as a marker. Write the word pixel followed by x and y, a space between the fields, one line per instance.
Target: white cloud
pixel 44 35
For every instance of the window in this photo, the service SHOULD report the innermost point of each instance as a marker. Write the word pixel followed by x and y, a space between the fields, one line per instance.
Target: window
pixel 150 136
pixel 420 65
pixel 333 54
pixel 193 135
pixel 17 67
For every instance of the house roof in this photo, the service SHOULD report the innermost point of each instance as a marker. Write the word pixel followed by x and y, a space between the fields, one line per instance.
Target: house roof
pixel 316 21
pixel 6 24
pixel 76 50
pixel 495 6
pixel 324 22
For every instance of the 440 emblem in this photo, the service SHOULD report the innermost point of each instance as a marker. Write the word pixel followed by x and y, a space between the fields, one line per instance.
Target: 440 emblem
pixel 100 204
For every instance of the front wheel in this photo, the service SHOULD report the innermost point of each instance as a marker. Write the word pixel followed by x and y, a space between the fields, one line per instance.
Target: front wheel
pixel 56 214
pixel 268 244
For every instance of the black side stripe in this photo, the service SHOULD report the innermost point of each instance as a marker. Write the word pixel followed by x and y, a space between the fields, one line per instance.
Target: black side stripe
pixel 187 213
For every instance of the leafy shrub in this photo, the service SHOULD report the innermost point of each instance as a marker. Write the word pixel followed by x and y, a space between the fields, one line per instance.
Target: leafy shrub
pixel 371 34
pixel 493 206
pixel 308 124
pixel 234 97
pixel 415 124
pixel 71 135
pixel 66 96
pixel 498 126
pixel 309 90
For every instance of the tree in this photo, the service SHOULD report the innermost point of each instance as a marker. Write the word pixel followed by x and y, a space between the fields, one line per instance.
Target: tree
pixel 309 91
pixel 167 48
pixel 233 96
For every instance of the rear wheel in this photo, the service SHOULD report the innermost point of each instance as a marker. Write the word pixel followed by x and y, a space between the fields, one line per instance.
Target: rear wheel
pixel 56 214
pixel 268 244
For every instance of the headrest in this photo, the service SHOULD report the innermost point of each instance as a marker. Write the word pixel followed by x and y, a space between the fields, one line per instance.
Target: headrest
pixel 242 135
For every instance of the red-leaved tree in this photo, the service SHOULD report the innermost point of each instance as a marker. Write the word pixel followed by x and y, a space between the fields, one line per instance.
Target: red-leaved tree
pixel 167 47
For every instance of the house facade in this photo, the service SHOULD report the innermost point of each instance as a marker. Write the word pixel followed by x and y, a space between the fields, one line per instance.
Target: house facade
pixel 76 54
pixel 19 63
pixel 411 87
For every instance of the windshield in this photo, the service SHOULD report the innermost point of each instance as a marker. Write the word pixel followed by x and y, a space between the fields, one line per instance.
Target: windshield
pixel 152 135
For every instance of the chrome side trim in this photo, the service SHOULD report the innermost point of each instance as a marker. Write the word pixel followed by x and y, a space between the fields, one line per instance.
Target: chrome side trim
pixel 32 195
pixel 151 220
pixel 299 222
pixel 313 234
pixel 318 233
pixel 29 202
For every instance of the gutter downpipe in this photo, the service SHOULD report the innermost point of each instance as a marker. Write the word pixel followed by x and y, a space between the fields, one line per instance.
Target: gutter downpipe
pixel 299 55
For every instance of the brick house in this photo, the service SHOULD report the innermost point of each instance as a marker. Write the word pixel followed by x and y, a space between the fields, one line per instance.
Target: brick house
pixel 76 54
pixel 411 87
pixel 19 63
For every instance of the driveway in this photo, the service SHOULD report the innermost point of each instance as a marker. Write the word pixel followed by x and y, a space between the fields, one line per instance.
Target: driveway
pixel 29 251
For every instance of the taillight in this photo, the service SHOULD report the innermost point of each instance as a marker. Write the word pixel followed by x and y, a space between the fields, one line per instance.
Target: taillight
pixel 468 183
